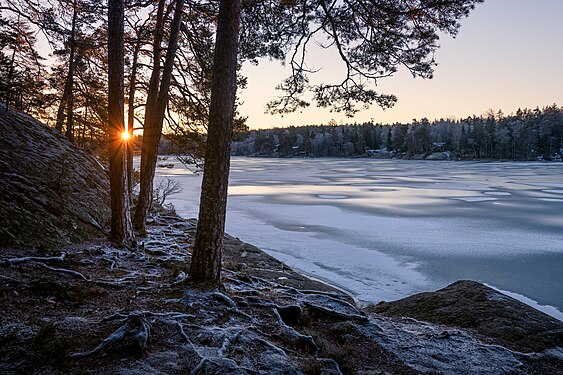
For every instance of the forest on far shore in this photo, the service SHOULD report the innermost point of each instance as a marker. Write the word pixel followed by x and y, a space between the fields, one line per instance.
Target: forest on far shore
pixel 526 135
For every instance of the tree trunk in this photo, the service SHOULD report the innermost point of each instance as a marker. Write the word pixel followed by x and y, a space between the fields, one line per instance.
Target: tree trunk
pixel 69 83
pixel 205 269
pixel 121 231
pixel 10 79
pixel 131 115
pixel 152 129
pixel 70 117
pixel 146 176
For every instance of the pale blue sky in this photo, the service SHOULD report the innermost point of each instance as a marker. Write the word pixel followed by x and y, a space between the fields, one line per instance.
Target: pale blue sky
pixel 508 54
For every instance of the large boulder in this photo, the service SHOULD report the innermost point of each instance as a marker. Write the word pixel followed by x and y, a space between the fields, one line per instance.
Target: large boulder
pixel 51 192
pixel 471 305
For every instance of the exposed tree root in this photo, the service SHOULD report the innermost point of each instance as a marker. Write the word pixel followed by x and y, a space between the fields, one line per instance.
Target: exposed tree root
pixel 296 339
pixel 171 315
pixel 182 333
pixel 8 278
pixel 64 270
pixel 12 261
pixel 335 314
pixel 136 330
pixel 224 299
pixel 110 283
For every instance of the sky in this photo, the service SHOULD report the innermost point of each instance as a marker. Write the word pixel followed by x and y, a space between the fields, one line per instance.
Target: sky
pixel 507 55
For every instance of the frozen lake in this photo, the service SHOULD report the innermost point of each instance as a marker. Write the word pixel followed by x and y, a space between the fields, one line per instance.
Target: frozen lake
pixel 385 229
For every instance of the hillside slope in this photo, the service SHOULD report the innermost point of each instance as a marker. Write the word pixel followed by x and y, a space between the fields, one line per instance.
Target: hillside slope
pixel 51 192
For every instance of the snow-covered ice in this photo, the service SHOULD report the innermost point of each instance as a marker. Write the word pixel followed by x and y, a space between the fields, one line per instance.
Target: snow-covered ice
pixel 384 229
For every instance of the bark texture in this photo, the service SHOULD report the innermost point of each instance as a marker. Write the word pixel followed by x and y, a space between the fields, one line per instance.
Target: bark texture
pixel 157 100
pixel 121 230
pixel 131 115
pixel 206 259
pixel 67 100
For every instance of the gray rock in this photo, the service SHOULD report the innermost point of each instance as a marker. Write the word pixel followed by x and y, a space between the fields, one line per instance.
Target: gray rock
pixel 51 192
pixel 471 305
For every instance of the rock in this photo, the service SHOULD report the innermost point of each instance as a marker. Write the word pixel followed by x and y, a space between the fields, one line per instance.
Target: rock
pixel 438 156
pixel 471 305
pixel 51 192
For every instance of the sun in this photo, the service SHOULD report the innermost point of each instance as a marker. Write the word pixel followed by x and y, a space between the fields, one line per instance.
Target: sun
pixel 125 135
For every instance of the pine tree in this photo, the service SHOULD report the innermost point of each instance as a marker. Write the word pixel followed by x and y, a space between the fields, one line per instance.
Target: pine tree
pixel 121 229
pixel 205 269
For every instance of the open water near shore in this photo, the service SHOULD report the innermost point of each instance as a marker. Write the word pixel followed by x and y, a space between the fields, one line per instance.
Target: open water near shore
pixel 385 229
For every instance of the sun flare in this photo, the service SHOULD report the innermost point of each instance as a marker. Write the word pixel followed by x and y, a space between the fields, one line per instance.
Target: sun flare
pixel 125 135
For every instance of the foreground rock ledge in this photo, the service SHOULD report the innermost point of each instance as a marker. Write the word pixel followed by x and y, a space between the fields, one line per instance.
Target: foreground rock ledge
pixel 492 315
pixel 99 309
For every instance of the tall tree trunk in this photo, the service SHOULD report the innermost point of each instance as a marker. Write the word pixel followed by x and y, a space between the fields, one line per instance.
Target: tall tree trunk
pixel 70 117
pixel 131 115
pixel 145 189
pixel 205 269
pixel 152 129
pixel 69 83
pixel 10 79
pixel 82 130
pixel 121 230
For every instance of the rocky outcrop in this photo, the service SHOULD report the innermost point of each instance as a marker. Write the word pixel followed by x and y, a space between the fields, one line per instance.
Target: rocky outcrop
pixel 51 192
pixel 492 315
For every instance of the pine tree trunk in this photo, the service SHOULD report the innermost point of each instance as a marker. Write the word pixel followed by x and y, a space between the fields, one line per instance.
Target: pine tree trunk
pixel 10 79
pixel 121 231
pixel 152 129
pixel 205 269
pixel 69 83
pixel 148 152
pixel 70 117
pixel 131 116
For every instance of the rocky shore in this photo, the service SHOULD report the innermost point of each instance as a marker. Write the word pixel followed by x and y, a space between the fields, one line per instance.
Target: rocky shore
pixel 96 308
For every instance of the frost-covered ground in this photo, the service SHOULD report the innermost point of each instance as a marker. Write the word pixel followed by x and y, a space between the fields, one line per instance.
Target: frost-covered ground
pixel 385 229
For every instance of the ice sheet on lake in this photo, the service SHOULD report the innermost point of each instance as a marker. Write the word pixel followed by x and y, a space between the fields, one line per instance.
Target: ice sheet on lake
pixel 385 229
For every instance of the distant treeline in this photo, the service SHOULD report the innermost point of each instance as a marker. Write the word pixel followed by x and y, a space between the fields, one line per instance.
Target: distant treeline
pixel 526 135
